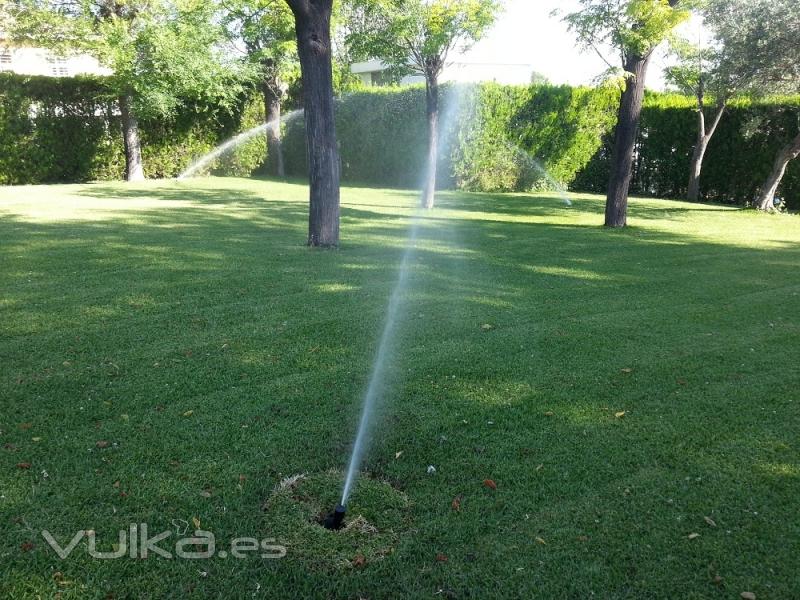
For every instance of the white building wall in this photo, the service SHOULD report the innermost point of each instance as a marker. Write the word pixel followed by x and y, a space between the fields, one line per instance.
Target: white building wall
pixel 458 72
pixel 38 61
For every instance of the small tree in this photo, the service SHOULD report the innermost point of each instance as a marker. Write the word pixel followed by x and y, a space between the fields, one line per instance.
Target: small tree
pixel 416 37
pixel 266 30
pixel 760 38
pixel 313 31
pixel 634 29
pixel 161 54
pixel 698 73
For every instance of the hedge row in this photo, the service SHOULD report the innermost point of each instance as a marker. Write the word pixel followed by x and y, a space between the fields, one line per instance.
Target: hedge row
pixel 493 138
pixel 56 130
pixel 738 160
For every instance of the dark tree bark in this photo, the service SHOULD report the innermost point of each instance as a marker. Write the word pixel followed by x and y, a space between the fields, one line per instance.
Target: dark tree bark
pixel 787 154
pixel 630 110
pixel 273 98
pixel 703 138
pixel 432 109
pixel 134 170
pixel 313 27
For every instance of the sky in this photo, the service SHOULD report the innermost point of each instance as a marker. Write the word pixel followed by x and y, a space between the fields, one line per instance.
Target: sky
pixel 526 33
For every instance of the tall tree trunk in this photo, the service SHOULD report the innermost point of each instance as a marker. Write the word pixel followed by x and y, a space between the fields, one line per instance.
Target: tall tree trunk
pixel 432 108
pixel 272 110
pixel 703 139
pixel 787 154
pixel 313 28
pixel 630 109
pixel 134 171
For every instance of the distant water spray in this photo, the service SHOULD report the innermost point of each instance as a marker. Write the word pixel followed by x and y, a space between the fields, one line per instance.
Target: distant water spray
pixel 235 142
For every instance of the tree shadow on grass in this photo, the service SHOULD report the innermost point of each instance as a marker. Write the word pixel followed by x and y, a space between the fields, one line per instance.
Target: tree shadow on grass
pixel 207 343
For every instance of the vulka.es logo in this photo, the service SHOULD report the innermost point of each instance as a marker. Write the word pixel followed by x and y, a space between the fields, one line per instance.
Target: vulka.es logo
pixel 135 542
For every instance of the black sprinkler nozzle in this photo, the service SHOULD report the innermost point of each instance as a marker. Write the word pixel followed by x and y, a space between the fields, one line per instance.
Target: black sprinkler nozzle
pixel 335 520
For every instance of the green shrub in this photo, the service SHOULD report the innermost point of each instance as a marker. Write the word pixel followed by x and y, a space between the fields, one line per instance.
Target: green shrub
pixel 738 160
pixel 493 138
pixel 68 130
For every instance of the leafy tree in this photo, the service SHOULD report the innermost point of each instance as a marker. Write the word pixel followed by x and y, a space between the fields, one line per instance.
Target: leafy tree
pixel 266 30
pixel 314 47
pixel 162 53
pixel 634 29
pixel 698 73
pixel 759 40
pixel 416 37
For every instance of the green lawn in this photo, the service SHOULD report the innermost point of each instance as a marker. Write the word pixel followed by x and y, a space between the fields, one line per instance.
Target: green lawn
pixel 172 351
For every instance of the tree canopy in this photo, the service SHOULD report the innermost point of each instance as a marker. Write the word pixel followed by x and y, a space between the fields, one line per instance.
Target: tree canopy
pixel 160 52
pixel 417 36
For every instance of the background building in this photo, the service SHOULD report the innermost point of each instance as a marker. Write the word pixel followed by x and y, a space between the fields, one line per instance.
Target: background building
pixel 373 73
pixel 26 60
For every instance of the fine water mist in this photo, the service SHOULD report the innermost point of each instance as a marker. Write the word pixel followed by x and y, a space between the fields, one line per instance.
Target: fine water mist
pixel 234 143
pixel 383 357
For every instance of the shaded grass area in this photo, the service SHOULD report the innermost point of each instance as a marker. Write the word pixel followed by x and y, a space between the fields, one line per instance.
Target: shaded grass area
pixel 618 386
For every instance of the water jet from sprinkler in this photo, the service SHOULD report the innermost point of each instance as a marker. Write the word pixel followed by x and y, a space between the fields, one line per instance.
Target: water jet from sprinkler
pixel 335 520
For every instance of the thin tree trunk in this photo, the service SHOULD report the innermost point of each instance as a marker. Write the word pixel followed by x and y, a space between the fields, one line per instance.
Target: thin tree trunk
pixel 630 110
pixel 272 110
pixel 432 108
pixel 703 139
pixel 134 170
pixel 313 26
pixel 787 154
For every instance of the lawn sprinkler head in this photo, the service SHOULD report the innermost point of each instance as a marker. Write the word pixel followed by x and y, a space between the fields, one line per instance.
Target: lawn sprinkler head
pixel 335 520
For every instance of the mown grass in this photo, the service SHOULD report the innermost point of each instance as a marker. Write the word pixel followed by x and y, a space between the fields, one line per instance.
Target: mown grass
pixel 618 386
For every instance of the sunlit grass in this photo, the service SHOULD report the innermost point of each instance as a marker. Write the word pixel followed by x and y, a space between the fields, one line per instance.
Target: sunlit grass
pixel 618 386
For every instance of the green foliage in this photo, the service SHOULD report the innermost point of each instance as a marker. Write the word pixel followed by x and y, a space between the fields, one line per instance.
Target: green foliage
pixel 494 138
pixel 738 159
pixel 631 27
pixel 68 130
pixel 160 52
pixel 416 36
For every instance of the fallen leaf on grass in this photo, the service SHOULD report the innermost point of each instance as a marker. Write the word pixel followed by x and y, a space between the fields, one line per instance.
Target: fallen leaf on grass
pixel 23 465
pixel 710 521
pixel 188 413
pixel 540 541
pixel 627 370
pixel 398 454
pixel 748 596
pixel 620 414
pixel 489 483
pixel 103 444
pixel 456 503
pixel 25 426
pixel 205 494
pixel 115 484
pixel 26 546
pixel 487 327
pixel 441 558
pixel 694 536
pixel 549 413
pixel 359 561
pixel 196 522
pixel 36 439
pixel 583 538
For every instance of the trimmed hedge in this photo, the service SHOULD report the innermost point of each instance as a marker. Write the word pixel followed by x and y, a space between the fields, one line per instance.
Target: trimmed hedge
pixel 738 160
pixel 55 130
pixel 493 138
